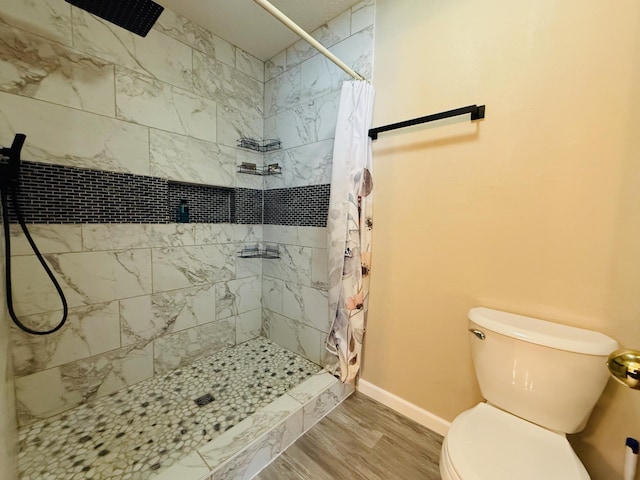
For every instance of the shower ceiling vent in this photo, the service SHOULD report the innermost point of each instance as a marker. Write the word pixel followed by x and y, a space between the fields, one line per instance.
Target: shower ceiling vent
pixel 137 16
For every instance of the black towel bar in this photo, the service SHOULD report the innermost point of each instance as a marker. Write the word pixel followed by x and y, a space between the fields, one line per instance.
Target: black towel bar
pixel 476 111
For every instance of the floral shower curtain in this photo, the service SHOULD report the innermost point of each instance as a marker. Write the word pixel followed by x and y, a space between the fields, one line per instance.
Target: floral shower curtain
pixel 349 229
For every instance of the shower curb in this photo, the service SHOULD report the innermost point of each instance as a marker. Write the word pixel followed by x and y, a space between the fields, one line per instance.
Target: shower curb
pixel 244 450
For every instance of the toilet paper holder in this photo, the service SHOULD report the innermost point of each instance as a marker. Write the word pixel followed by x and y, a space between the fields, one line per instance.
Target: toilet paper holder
pixel 624 366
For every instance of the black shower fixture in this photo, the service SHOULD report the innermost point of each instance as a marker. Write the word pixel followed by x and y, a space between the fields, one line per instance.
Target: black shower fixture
pixel 137 16
pixel 10 163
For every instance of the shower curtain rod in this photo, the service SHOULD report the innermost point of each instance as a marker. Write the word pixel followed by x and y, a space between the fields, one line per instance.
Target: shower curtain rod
pixel 308 38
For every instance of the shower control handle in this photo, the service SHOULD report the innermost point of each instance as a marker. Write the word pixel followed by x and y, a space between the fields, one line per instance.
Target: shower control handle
pixel 10 171
pixel 478 333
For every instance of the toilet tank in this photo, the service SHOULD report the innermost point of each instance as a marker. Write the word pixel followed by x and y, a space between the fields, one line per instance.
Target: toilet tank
pixel 544 372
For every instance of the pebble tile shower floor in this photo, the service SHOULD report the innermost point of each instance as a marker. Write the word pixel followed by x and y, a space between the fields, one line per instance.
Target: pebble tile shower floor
pixel 135 433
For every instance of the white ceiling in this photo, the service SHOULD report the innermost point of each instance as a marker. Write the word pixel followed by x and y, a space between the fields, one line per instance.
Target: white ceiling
pixel 247 25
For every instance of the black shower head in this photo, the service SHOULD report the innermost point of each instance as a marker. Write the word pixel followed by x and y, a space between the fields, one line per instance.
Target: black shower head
pixel 137 16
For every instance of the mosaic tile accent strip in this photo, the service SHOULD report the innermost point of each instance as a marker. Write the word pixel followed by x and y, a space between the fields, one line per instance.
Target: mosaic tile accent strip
pixel 302 206
pixel 206 204
pixel 138 432
pixel 248 206
pixel 62 194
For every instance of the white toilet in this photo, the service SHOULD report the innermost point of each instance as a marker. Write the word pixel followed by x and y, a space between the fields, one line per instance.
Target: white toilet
pixel 540 380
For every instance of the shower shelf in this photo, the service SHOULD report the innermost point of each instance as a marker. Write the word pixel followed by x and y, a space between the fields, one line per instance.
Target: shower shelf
pixel 266 145
pixel 253 169
pixel 256 251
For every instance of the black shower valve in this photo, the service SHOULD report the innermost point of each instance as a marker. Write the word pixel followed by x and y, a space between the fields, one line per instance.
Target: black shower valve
pixel 10 169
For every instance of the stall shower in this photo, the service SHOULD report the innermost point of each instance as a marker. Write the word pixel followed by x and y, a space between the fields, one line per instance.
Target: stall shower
pixel 174 342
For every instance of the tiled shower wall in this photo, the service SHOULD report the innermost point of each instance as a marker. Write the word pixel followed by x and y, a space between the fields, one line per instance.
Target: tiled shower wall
pixel 302 92
pixel 8 432
pixel 144 297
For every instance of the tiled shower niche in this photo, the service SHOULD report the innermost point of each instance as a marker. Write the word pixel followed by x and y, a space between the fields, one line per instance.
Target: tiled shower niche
pixel 64 194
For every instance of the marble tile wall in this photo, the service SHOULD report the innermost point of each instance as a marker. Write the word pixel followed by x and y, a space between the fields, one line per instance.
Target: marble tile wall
pixel 143 298
pixel 147 298
pixel 8 433
pixel 302 92
pixel 90 94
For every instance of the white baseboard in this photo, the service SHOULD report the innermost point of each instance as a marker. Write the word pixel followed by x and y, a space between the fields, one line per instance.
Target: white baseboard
pixel 400 405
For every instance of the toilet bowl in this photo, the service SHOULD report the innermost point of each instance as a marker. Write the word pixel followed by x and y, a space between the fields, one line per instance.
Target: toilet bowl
pixel 540 380
pixel 486 443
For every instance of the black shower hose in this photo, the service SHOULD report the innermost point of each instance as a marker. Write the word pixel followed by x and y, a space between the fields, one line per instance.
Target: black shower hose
pixel 7 252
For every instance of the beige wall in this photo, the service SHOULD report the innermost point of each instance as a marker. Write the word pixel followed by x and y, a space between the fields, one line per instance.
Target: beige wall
pixel 534 210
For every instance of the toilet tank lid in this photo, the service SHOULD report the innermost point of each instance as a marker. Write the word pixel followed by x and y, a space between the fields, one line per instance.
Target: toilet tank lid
pixel 542 332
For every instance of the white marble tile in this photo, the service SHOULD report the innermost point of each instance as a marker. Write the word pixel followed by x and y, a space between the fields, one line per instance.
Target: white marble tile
pixel 272 294
pixel 294 265
pixel 247 63
pixel 32 402
pixel 170 234
pixel 180 267
pixel 313 386
pixel 295 336
pixel 293 126
pixel 191 467
pixel 259 454
pixel 319 269
pixel 85 278
pixel 156 55
pixel 319 406
pixel 275 65
pixel 214 233
pixel 181 348
pixel 50 238
pixel 150 316
pixel 147 101
pixel 248 325
pixel 238 296
pixel 296 235
pixel 57 389
pixel 327 107
pixel 50 18
pixel 306 305
pixel 88 331
pixel 362 15
pixel 247 267
pixel 247 233
pixel 282 91
pixel 234 123
pixel 305 165
pixel 308 122
pixel 178 157
pixel 249 430
pixel 117 236
pixel 8 422
pixel 320 76
pixel 226 85
pixel 180 28
pixel 52 136
pixel 328 34
pixel 357 52
pixel 33 67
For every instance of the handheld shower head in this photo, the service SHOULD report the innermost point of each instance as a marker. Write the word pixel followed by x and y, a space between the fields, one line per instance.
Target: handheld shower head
pixel 137 16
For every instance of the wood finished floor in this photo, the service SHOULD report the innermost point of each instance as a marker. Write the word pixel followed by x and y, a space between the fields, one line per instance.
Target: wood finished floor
pixel 360 439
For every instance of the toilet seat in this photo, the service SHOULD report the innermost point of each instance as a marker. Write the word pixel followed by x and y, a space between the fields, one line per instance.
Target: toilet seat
pixel 485 443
